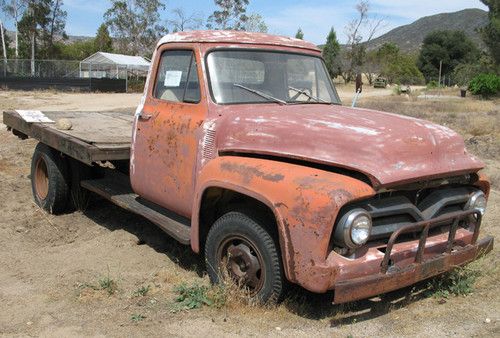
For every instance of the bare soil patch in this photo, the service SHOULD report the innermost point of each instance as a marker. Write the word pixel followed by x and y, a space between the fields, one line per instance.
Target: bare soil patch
pixel 81 274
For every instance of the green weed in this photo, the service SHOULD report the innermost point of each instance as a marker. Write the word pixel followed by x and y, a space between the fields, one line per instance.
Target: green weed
pixel 197 296
pixel 142 291
pixel 459 282
pixel 137 317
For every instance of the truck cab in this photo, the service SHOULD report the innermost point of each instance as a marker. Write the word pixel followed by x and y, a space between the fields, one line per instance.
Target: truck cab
pixel 241 149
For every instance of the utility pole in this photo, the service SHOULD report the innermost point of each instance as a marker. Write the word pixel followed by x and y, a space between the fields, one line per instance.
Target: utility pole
pixel 4 50
pixel 440 69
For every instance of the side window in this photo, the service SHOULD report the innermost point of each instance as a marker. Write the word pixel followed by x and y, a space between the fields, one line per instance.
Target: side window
pixel 177 78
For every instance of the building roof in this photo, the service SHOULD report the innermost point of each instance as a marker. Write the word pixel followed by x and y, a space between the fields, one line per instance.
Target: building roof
pixel 239 37
pixel 117 59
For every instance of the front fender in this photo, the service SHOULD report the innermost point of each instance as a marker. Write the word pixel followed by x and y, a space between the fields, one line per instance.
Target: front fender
pixel 304 200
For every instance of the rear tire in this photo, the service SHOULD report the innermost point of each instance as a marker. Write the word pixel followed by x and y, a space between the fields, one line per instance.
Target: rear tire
pixel 49 179
pixel 240 248
pixel 80 197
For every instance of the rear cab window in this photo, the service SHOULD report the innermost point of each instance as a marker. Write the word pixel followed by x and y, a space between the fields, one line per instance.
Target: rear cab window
pixel 177 78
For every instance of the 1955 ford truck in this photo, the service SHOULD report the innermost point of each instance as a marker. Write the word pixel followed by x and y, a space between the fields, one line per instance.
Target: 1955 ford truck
pixel 241 149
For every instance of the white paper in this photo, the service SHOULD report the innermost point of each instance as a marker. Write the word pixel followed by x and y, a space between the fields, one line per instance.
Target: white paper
pixel 173 78
pixel 34 116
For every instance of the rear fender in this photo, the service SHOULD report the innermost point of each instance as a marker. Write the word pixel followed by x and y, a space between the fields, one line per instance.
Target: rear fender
pixel 304 200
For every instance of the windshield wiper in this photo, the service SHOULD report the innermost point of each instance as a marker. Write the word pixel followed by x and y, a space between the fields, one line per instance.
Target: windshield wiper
pixel 311 97
pixel 261 94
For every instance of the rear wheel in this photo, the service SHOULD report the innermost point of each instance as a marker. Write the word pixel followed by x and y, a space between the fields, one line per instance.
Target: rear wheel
pixel 49 179
pixel 240 248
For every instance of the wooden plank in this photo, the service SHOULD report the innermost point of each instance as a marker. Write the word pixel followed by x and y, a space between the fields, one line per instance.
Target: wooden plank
pixel 63 141
pixel 95 127
pixel 116 188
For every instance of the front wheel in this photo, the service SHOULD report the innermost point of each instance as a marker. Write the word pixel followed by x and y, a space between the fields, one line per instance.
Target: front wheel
pixel 240 248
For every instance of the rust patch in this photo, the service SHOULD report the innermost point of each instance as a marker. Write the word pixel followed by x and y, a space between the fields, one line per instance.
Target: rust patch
pixel 249 173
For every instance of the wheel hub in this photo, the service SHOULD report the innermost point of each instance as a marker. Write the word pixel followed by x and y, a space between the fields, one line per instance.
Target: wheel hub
pixel 41 179
pixel 243 265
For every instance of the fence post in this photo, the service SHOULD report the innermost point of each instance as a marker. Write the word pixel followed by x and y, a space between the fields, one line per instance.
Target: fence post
pixel 90 76
pixel 126 79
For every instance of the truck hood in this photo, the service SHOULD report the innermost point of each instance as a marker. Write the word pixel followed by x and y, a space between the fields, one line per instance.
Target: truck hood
pixel 390 149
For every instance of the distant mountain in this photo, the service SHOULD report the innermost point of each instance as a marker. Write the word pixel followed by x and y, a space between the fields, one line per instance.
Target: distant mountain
pixel 71 38
pixel 409 38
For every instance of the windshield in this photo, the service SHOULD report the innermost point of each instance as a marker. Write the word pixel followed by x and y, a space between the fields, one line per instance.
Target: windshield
pixel 253 76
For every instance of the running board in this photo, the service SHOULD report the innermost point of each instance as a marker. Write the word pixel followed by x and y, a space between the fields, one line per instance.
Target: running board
pixel 116 188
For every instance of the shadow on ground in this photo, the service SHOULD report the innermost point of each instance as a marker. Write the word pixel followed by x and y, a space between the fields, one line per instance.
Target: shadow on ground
pixel 319 306
pixel 297 300
pixel 115 218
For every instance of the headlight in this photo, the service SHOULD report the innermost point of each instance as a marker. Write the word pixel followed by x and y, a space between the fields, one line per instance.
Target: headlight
pixel 353 229
pixel 477 201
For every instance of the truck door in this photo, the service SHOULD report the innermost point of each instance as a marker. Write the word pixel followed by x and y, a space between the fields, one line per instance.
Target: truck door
pixel 165 146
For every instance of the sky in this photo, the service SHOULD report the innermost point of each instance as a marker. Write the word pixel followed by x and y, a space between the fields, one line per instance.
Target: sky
pixel 283 17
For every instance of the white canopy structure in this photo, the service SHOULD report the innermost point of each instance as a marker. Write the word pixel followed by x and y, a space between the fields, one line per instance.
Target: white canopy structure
pixel 113 66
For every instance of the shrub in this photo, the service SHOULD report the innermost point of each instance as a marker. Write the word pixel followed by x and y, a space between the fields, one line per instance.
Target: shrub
pixel 485 85
pixel 432 84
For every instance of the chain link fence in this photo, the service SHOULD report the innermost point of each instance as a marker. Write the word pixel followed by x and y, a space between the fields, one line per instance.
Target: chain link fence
pixel 39 68
pixel 43 74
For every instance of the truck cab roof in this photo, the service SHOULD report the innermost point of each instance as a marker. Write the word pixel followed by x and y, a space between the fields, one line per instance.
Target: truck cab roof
pixel 237 37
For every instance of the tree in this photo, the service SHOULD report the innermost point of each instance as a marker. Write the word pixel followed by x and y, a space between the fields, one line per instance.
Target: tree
pixel 135 24
pixel 8 51
pixel 491 32
pixel 356 41
pixel 299 34
pixel 331 54
pixel 403 70
pixel 41 26
pixel 14 9
pixel 449 47
pixel 57 24
pixel 231 15
pixel 182 22
pixel 255 23
pixel 103 41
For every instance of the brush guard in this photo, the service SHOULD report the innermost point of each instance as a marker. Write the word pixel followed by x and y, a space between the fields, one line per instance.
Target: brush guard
pixel 392 277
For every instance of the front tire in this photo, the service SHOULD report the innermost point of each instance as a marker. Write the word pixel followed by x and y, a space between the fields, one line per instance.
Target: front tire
pixel 240 248
pixel 49 179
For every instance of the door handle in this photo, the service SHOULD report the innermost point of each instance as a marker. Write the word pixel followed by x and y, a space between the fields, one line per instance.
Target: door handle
pixel 145 117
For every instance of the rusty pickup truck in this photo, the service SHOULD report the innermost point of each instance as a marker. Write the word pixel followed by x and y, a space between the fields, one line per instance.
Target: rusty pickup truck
pixel 240 148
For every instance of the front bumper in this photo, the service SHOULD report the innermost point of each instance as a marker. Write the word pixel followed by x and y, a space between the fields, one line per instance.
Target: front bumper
pixel 393 276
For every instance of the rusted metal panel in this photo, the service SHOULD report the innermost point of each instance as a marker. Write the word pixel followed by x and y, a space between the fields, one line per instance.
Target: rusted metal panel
pixel 390 149
pixel 166 148
pixel 376 284
pixel 305 201
pixel 240 38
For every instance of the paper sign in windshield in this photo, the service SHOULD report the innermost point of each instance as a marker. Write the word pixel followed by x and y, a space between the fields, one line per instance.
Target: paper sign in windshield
pixel 173 78
pixel 34 116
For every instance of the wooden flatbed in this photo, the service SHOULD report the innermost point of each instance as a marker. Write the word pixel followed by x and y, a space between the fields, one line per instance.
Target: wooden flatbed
pixel 94 136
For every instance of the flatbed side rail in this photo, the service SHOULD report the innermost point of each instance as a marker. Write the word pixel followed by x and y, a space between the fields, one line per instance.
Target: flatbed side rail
pixel 424 226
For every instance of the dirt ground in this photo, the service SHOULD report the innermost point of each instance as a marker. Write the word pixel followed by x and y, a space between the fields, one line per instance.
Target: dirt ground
pixel 52 268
